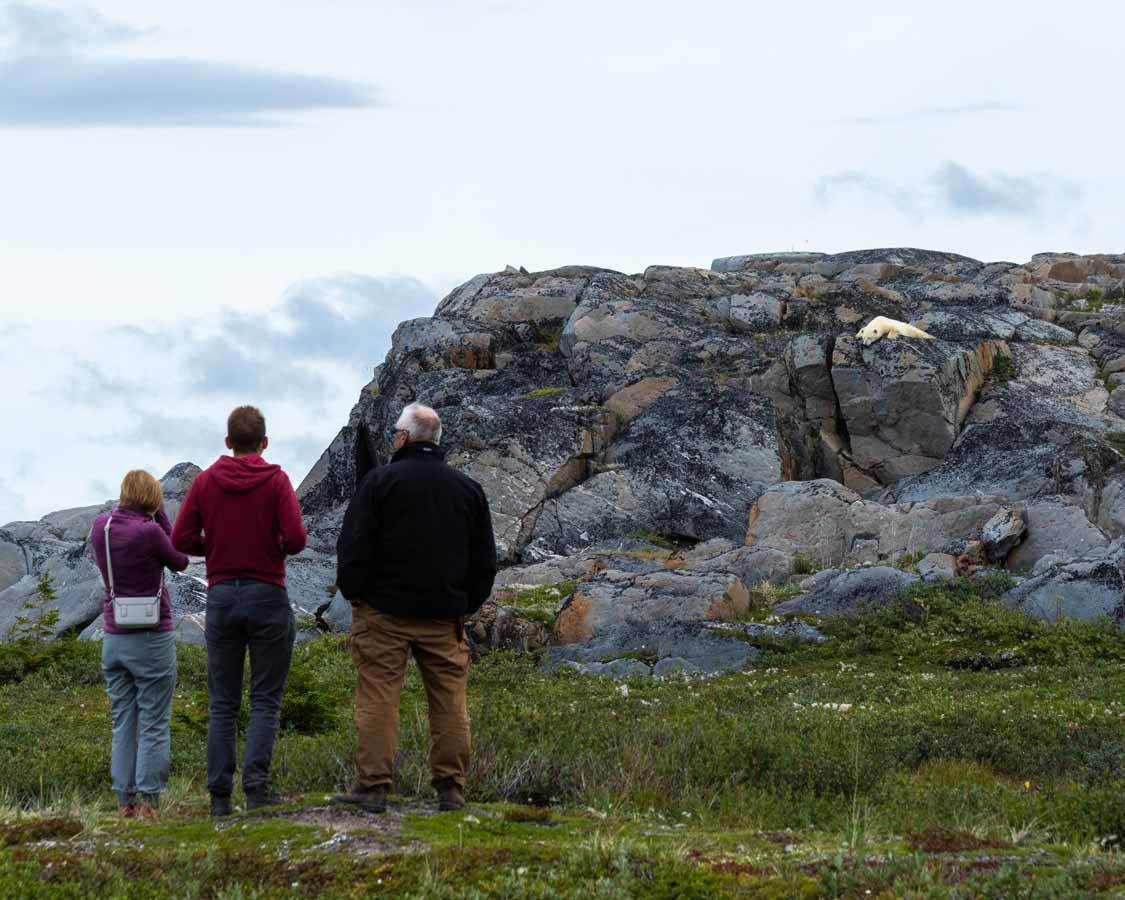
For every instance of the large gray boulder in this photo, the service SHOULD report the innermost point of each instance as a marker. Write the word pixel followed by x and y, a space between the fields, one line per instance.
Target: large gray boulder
pixel 620 598
pixel 1089 588
pixel 629 650
pixel 850 592
pixel 78 586
pixel 903 402
pixel 1056 526
pixel 13 564
pixel 834 526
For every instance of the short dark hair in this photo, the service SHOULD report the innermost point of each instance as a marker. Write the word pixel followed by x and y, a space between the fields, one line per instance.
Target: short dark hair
pixel 246 428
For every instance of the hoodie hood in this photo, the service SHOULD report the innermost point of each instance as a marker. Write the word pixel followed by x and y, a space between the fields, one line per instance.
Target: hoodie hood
pixel 243 474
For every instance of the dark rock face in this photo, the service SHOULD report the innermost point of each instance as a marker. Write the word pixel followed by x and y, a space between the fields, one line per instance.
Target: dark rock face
pixel 732 414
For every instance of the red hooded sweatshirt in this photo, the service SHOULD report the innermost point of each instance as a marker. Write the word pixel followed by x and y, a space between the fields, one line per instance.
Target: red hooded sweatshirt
pixel 242 515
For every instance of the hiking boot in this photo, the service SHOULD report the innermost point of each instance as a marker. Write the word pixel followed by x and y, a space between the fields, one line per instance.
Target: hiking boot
pixel 450 796
pixel 259 798
pixel 220 806
pixel 371 798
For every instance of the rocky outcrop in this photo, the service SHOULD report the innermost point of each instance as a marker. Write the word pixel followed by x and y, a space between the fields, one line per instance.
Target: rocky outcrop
pixel 595 405
pixel 668 440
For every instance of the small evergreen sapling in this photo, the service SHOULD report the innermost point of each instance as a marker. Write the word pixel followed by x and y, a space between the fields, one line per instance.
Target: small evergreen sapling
pixel 37 623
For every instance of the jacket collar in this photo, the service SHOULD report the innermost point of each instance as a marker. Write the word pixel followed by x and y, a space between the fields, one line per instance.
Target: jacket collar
pixel 420 450
pixel 125 514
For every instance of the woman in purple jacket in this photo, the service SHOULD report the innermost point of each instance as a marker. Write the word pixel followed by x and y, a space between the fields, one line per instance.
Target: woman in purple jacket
pixel 139 663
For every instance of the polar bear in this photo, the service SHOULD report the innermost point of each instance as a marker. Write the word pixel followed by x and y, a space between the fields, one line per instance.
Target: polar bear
pixel 881 326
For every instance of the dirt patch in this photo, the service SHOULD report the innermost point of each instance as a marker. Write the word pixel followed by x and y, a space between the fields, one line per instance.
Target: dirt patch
pixel 937 840
pixel 539 815
pixel 784 838
pixel 737 868
pixel 362 833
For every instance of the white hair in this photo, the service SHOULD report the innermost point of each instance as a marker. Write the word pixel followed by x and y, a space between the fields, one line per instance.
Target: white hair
pixel 421 423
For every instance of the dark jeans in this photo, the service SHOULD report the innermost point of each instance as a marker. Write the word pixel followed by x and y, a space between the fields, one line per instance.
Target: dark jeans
pixel 245 614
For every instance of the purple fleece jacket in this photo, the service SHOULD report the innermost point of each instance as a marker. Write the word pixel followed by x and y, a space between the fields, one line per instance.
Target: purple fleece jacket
pixel 141 548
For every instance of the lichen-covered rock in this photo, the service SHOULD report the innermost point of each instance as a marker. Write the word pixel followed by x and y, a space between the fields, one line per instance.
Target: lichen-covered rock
pixel 1055 526
pixel 494 627
pixel 935 566
pixel 903 403
pixel 619 598
pixel 675 647
pixel 850 592
pixel 1002 532
pixel 605 411
pixel 13 564
pixel 1088 588
pixel 79 589
pixel 832 525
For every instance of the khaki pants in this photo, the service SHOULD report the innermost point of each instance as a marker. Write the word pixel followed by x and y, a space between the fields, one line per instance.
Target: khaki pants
pixel 380 644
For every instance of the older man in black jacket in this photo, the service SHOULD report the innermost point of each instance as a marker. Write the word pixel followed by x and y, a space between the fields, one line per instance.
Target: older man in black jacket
pixel 416 555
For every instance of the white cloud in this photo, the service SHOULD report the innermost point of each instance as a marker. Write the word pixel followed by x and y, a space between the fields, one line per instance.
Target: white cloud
pixel 936 114
pixel 56 77
pixel 127 397
pixel 956 191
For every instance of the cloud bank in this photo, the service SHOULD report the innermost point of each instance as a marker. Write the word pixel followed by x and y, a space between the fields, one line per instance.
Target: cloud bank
pixel 931 114
pixel 55 74
pixel 955 191
pixel 165 393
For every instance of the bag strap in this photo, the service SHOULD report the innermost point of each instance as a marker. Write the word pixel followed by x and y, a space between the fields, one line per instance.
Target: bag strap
pixel 109 565
pixel 109 561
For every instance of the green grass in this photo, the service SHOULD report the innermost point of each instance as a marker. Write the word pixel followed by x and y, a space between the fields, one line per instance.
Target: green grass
pixel 541 603
pixel 1003 370
pixel 1116 439
pixel 1093 301
pixel 803 564
pixel 908 562
pixel 657 540
pixel 897 759
pixel 542 392
pixel 548 340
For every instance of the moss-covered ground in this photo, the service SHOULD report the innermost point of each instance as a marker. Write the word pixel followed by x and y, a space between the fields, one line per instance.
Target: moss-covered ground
pixel 943 747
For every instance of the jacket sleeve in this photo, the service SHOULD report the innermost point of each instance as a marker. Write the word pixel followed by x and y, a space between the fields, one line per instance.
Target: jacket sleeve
pixel 161 519
pixel 355 547
pixel 482 558
pixel 293 534
pixel 163 550
pixel 187 534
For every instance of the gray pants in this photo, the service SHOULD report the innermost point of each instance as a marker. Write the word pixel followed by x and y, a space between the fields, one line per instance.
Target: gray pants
pixel 140 675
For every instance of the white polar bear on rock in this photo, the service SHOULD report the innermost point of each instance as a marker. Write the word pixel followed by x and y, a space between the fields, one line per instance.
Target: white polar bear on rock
pixel 881 326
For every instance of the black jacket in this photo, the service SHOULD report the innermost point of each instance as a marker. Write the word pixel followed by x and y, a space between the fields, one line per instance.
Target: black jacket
pixel 417 539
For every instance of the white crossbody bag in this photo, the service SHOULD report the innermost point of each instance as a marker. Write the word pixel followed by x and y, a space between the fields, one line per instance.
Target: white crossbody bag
pixel 132 612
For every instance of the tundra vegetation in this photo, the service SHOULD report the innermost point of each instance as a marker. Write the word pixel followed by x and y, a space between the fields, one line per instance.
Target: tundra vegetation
pixel 942 746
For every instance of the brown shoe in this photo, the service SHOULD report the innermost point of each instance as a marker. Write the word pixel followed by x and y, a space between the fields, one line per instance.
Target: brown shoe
pixel 143 811
pixel 128 811
pixel 370 798
pixel 450 796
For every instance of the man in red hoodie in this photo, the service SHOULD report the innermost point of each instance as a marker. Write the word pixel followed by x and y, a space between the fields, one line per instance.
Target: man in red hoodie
pixel 242 515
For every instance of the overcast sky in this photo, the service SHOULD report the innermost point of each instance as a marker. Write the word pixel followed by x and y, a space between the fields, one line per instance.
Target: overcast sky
pixel 209 203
